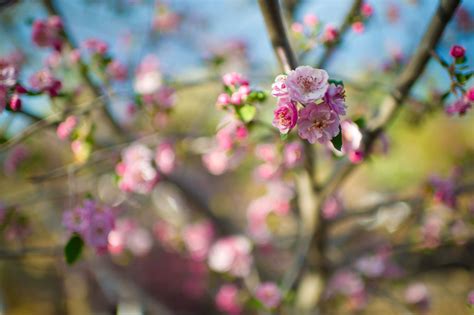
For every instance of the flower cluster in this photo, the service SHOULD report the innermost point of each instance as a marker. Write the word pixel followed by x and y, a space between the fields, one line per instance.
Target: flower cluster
pixel 139 170
pixel 231 255
pixel 92 222
pixel 48 33
pixel 129 235
pixel 44 81
pixel 322 103
pixel 268 294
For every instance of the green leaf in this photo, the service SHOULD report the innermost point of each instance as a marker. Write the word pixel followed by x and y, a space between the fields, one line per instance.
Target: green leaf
pixel 283 136
pixel 463 77
pixel 259 96
pixel 246 112
pixel 73 249
pixel 360 122
pixel 337 140
pixel 336 82
pixel 461 60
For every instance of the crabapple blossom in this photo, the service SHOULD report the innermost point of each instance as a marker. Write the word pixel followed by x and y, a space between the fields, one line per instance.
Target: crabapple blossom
pixel 457 51
pixel 148 77
pixel 318 123
pixel 269 294
pixel 8 75
pixel 311 20
pixel 417 295
pixel 14 159
pixel 292 154
pixel 117 70
pixel 165 157
pixel 307 84
pixel 330 35
pixel 15 102
pixel 234 79
pixel 335 97
pixel 460 107
pixel 232 255
pixel 332 207
pixel 95 46
pixel 216 161
pixel 366 10
pixel 470 298
pixel 44 81
pixel 470 94
pixel 227 299
pixel 48 33
pixel 66 127
pixel 279 87
pixel 358 27
pixel 285 116
pixel 197 238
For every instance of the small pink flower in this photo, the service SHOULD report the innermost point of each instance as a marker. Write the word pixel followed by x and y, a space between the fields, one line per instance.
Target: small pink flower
pixel 98 229
pixel 48 33
pixel 417 294
pixel 285 116
pixel 310 20
pixel 44 81
pixel 216 161
pixel 293 154
pixel 15 102
pixel 444 190
pixel 345 282
pixel 138 174
pixel 117 70
pixel 279 88
pixel 318 123
pixel 65 128
pixel 470 94
pixel 269 294
pixel 166 21
pixel 307 84
pixel 297 28
pixel 233 79
pixel 470 298
pixel 232 255
pixel 367 10
pixel 227 300
pixel 457 51
pixel 96 46
pixel 358 27
pixel 371 266
pixel 223 99
pixel 14 158
pixel 332 208
pixel 266 152
pixel 8 75
pixel 330 34
pixel 165 157
pixel 460 107
pixel 335 97
pixel 74 56
pixel 148 78
pixel 197 238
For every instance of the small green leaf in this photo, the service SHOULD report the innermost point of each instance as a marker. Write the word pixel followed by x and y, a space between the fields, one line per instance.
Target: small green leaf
pixel 461 60
pixel 360 122
pixel 336 82
pixel 445 95
pixel 259 96
pixel 337 140
pixel 73 249
pixel 246 112
pixel 283 136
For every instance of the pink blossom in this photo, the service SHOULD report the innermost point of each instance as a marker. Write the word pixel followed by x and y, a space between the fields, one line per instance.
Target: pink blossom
pixel 216 161
pixel 457 51
pixel 367 10
pixel 318 123
pixel 8 75
pixel 138 173
pixel 311 20
pixel 285 116
pixel 165 157
pixel 117 70
pixel 307 84
pixel 351 142
pixel 65 128
pixel 148 78
pixel 139 241
pixel 268 171
pixel 358 27
pixel 74 56
pixel 371 266
pixel 266 152
pixel 14 158
pixel 166 234
pixel 223 99
pixel 444 190
pixel 197 238
pixel 279 88
pixel 15 102
pixel 431 231
pixel 227 300
pixel 460 107
pixel 232 255
pixel 470 94
pixel 470 298
pixel 96 46
pixel 292 154
pixel 330 34
pixel 234 79
pixel 297 27
pixel 269 294
pixel 335 97
pixel 417 294
pixel 345 282
pixel 333 207
pixel 48 33
pixel 166 21
pixel 44 81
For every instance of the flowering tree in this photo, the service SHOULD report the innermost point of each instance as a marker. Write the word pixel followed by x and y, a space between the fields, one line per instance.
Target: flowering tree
pixel 161 208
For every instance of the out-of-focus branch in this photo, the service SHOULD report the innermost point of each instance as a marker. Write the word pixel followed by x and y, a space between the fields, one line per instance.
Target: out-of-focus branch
pixel 83 71
pixel 30 251
pixel 353 11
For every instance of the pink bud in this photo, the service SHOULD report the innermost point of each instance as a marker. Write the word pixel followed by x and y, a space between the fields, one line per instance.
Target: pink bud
pixel 223 99
pixel 358 27
pixel 470 94
pixel 457 51
pixel 297 27
pixel 15 103
pixel 310 20
pixel 367 10
pixel 20 89
pixel 356 156
pixel 236 98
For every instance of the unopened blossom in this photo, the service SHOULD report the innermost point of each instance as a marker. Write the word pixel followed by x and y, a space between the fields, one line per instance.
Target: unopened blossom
pixel 307 84
pixel 48 33
pixel 197 238
pixel 148 77
pixel 417 295
pixel 457 51
pixel 470 298
pixel 297 27
pixel 227 299
pixel 459 107
pixel 292 154
pixel 318 123
pixel 117 71
pixel 470 94
pixel 330 34
pixel 15 102
pixel 279 87
pixel 44 81
pixel 223 99
pixel 95 46
pixel 285 116
pixel 231 132
pixel 234 79
pixel 231 255
pixel 66 127
pixel 332 208
pixel 165 157
pixel 166 20
pixel 358 27
pixel 216 161
pixel 269 294
pixel 311 20
pixel 335 97
pixel 366 10
pixel 351 141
